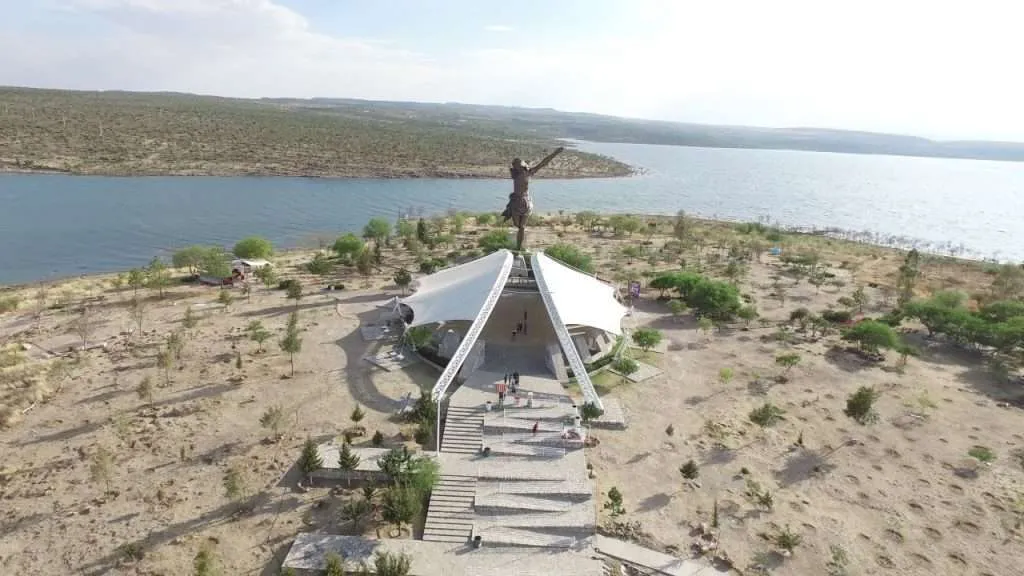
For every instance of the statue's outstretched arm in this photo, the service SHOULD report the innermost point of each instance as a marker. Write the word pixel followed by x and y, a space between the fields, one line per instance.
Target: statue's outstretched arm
pixel 547 159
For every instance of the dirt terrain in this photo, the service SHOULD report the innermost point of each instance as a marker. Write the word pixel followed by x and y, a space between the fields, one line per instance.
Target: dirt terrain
pixel 899 496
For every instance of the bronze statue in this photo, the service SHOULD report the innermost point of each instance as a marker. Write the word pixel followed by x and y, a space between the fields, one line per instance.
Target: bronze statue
pixel 519 203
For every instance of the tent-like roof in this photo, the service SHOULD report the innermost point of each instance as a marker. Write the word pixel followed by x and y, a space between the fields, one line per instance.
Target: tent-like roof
pixel 459 292
pixel 579 298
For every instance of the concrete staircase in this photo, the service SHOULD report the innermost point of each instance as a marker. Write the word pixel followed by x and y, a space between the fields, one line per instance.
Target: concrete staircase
pixel 450 513
pixel 463 430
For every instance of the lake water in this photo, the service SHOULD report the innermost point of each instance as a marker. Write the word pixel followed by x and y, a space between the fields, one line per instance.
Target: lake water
pixel 54 225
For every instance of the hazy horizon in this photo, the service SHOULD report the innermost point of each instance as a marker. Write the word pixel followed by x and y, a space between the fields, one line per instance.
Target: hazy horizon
pixel 915 68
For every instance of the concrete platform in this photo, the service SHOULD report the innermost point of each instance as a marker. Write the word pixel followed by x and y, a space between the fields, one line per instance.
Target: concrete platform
pixel 644 372
pixel 658 562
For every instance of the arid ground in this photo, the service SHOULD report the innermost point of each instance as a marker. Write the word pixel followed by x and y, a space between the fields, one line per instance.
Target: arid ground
pixel 899 496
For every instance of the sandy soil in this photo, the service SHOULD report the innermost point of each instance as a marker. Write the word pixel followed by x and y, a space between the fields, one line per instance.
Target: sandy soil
pixel 899 496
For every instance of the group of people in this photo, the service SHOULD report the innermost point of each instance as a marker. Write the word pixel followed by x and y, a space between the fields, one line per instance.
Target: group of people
pixel 520 327
pixel 509 386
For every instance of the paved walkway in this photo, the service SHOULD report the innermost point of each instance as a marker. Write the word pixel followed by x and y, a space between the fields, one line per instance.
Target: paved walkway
pixel 646 558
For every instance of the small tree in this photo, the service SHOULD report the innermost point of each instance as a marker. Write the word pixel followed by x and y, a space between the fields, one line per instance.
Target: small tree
pixel 378 438
pixel 165 360
pixel 273 420
pixel 860 405
pixel 190 257
pixel 872 335
pixel 787 361
pixel 225 298
pixel 267 275
pixel 357 414
pixel 355 511
pixel 589 411
pixel 254 247
pixel 365 262
pixel 319 265
pixel 677 307
pixel 689 470
pixel 175 345
pixel 571 255
pixel 258 334
pixel 310 460
pixel 294 292
pixel 400 504
pixel 348 246
pixel 145 389
pixel 860 299
pixel 84 325
pixel 766 415
pixel 102 467
pixel 137 280
pixel 748 314
pixel 291 344
pixel 157 276
pixel 236 485
pixel 402 279
pixel 614 503
pixel 189 320
pixel 348 461
pixel 647 338
pixel 705 325
pixel 787 540
pixel 377 229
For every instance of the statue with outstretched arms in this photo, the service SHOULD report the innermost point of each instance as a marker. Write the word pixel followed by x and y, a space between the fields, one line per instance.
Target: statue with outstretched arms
pixel 519 203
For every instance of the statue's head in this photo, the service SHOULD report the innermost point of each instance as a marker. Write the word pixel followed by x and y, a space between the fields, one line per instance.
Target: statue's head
pixel 517 163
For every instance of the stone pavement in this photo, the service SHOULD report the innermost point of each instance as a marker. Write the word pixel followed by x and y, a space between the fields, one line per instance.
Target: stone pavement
pixel 656 561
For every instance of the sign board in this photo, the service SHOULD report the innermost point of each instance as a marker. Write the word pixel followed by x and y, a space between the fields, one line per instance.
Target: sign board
pixel 634 289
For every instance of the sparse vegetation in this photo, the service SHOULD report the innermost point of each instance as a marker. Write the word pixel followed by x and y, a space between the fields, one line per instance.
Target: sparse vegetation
pixel 982 454
pixel 614 503
pixel 273 420
pixel 689 470
pixel 646 338
pixel 860 405
pixel 766 415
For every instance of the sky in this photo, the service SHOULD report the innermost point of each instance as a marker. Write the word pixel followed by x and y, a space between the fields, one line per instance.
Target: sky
pixel 945 69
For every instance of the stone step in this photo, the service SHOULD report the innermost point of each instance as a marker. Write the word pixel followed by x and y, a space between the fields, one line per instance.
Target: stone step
pixel 550 413
pixel 443 538
pixel 511 469
pixel 437 524
pixel 534 451
pixel 512 537
pixel 498 502
pixel 565 489
pixel 519 425
pixel 530 439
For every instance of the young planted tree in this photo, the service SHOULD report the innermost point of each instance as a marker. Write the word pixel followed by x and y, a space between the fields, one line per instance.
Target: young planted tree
pixel 860 299
pixel 291 344
pixel 400 504
pixel 646 338
pixel 236 484
pixel 101 469
pixel 158 277
pixel 145 389
pixel 402 279
pixel 189 320
pixel 294 292
pixel 175 345
pixel 267 275
pixel 357 414
pixel 348 461
pixel 84 325
pixel 906 281
pixel 787 540
pixel 787 362
pixel 258 334
pixel 273 420
pixel 418 336
pixel 589 411
pixel 310 460
pixel 224 297
pixel 320 265
pixel 247 291
pixel 365 263
pixel 677 307
pixel 748 314
pixel 860 405
pixel 614 503
pixel 705 325
pixel 347 247
pixel 355 511
pixel 165 361
pixel 137 280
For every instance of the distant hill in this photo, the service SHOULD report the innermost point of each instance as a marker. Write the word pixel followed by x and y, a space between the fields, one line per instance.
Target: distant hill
pixel 125 133
pixel 130 133
pixel 546 122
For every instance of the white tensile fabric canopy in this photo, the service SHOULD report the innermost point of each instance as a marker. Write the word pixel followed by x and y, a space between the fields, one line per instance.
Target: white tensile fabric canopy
pixel 579 298
pixel 459 293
